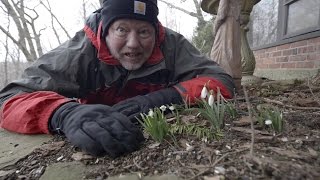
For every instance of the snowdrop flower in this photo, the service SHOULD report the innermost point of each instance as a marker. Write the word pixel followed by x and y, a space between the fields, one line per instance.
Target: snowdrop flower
pixel 171 108
pixel 204 139
pixel 211 100
pixel 189 147
pixel 268 122
pixel 204 92
pixel 163 108
pixel 150 113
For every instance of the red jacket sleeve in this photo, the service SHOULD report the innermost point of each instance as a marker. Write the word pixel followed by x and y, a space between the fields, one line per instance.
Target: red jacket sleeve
pixel 29 113
pixel 190 90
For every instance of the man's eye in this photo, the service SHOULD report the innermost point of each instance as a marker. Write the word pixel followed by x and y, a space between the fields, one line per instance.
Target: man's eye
pixel 120 31
pixel 145 33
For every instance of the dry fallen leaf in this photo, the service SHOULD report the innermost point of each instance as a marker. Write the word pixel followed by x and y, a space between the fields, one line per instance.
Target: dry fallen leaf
pixel 81 156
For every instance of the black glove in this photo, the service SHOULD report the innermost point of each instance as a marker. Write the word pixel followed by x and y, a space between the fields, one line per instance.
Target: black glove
pixel 132 107
pixel 97 129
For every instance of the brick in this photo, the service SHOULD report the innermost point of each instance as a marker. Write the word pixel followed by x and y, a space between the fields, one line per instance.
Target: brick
pixel 311 49
pixel 314 40
pixel 282 59
pixel 307 49
pixel 288 65
pixel 271 49
pixel 289 52
pixel 312 57
pixel 274 66
pixel 268 60
pixel 267 55
pixel 283 47
pixel 258 60
pixel 277 54
pixel 298 58
pixel 302 50
pixel 262 66
pixel 307 64
pixel 299 44
pixel 259 51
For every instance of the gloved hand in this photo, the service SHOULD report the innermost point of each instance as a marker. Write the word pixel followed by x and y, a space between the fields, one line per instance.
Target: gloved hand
pixel 132 107
pixel 97 129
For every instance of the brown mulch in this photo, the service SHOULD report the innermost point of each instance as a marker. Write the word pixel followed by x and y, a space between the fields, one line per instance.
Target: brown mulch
pixel 291 154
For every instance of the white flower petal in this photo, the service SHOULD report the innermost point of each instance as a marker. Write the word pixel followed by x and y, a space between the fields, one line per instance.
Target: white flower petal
pixel 268 122
pixel 150 113
pixel 171 108
pixel 211 100
pixel 163 108
pixel 204 92
pixel 204 139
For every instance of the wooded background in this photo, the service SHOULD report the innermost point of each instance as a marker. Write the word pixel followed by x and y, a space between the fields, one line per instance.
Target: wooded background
pixel 25 36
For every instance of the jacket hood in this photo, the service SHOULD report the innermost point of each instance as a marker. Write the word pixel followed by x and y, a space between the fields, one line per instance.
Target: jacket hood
pixel 93 30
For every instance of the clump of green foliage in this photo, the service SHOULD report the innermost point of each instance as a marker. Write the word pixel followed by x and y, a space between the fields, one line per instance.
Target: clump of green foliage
pixel 155 124
pixel 203 38
pixel 211 106
pixel 201 132
pixel 271 117
pixel 231 109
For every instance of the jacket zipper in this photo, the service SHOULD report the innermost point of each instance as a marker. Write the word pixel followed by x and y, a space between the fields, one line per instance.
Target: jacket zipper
pixel 124 82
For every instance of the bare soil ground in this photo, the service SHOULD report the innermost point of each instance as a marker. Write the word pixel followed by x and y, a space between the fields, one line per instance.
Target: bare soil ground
pixel 292 154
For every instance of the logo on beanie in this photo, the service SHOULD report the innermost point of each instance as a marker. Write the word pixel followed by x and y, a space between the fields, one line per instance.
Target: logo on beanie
pixel 139 7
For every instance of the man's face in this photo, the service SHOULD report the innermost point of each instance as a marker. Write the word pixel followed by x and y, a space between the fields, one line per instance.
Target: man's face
pixel 131 42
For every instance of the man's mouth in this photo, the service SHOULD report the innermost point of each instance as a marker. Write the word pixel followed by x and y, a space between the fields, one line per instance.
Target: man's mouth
pixel 132 55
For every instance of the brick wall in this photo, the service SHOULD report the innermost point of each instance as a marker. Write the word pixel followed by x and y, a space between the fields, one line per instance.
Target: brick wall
pixel 303 54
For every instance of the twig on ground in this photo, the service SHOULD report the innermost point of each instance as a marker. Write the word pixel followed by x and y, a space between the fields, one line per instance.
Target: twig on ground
pixel 243 98
pixel 314 89
pixel 288 106
pixel 251 119
pixel 315 97
pixel 138 166
pixel 209 167
pixel 248 164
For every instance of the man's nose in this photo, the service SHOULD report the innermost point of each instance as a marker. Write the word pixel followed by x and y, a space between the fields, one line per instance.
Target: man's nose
pixel 133 40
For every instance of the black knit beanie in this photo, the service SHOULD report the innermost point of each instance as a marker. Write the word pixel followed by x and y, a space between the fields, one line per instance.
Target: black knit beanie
pixel 145 10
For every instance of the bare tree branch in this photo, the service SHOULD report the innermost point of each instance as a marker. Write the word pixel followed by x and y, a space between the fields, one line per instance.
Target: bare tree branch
pixel 35 33
pixel 25 30
pixel 201 21
pixel 18 43
pixel 84 11
pixel 48 8
pixel 180 9
pixel 52 22
pixel 6 46
pixel 16 20
pixel 16 11
pixel 198 14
